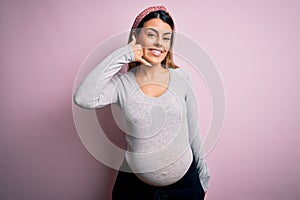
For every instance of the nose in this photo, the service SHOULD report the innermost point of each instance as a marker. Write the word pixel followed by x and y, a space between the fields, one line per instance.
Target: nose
pixel 158 42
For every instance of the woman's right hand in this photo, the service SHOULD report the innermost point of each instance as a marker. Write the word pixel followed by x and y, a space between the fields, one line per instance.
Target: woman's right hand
pixel 138 52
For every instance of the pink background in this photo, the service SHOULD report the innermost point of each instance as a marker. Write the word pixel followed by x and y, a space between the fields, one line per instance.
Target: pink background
pixel 255 45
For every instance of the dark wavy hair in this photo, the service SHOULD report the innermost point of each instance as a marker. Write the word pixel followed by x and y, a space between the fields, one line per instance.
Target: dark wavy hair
pixel 165 17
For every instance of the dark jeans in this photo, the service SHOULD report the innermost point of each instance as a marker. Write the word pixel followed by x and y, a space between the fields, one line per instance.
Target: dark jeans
pixel 129 187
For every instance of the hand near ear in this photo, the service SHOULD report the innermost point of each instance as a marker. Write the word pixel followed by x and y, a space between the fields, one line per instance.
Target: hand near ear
pixel 138 52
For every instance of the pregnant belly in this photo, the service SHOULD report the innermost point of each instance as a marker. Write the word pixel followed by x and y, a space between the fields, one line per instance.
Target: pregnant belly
pixel 160 171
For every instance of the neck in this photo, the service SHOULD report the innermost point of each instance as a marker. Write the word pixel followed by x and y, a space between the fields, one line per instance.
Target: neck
pixel 151 71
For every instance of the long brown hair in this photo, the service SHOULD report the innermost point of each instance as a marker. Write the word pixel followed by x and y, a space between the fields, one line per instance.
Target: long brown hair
pixel 165 17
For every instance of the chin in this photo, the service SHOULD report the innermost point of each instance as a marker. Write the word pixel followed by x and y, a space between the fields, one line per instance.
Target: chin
pixel 155 60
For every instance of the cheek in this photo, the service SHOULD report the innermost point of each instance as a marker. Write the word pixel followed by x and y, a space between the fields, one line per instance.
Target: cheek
pixel 167 46
pixel 145 42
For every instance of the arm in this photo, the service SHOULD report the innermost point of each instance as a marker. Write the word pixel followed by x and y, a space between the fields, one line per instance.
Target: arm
pixel 195 138
pixel 98 88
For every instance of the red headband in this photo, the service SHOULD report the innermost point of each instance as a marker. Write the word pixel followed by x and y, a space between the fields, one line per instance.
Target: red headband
pixel 145 12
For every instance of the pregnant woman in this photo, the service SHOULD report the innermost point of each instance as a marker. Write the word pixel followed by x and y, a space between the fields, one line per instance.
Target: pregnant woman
pixel 164 148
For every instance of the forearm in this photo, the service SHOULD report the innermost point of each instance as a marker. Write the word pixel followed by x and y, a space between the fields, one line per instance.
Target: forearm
pixel 194 133
pixel 89 90
pixel 203 170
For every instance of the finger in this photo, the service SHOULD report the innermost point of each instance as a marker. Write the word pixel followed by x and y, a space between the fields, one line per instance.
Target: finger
pixel 145 62
pixel 133 40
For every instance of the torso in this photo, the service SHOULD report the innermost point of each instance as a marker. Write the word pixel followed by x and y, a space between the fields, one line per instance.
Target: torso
pixel 156 127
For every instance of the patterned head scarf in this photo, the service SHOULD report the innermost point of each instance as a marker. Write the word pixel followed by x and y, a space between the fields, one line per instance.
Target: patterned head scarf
pixel 145 12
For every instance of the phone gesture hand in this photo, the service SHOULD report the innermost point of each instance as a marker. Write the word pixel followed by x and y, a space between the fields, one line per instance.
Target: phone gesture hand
pixel 138 52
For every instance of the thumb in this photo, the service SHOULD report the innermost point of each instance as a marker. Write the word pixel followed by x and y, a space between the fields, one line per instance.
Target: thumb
pixel 142 60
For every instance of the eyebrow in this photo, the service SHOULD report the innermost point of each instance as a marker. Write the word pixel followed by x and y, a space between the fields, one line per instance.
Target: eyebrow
pixel 157 31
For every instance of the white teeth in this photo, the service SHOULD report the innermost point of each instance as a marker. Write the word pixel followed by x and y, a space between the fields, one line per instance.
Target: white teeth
pixel 156 52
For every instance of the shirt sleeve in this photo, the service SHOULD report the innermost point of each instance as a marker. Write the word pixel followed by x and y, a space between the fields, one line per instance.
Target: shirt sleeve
pixel 194 134
pixel 99 87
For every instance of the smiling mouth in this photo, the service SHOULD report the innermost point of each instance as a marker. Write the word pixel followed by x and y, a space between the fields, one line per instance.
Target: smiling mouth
pixel 156 52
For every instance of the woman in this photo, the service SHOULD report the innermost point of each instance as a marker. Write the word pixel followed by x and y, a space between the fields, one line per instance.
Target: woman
pixel 164 153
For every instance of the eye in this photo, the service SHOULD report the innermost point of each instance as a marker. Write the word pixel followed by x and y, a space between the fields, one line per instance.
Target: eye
pixel 150 35
pixel 166 39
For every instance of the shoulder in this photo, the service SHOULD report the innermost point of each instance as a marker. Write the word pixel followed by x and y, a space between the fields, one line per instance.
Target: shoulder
pixel 124 77
pixel 183 73
pixel 184 77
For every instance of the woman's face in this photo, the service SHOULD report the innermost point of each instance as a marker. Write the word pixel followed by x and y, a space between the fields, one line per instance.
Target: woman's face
pixel 155 38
